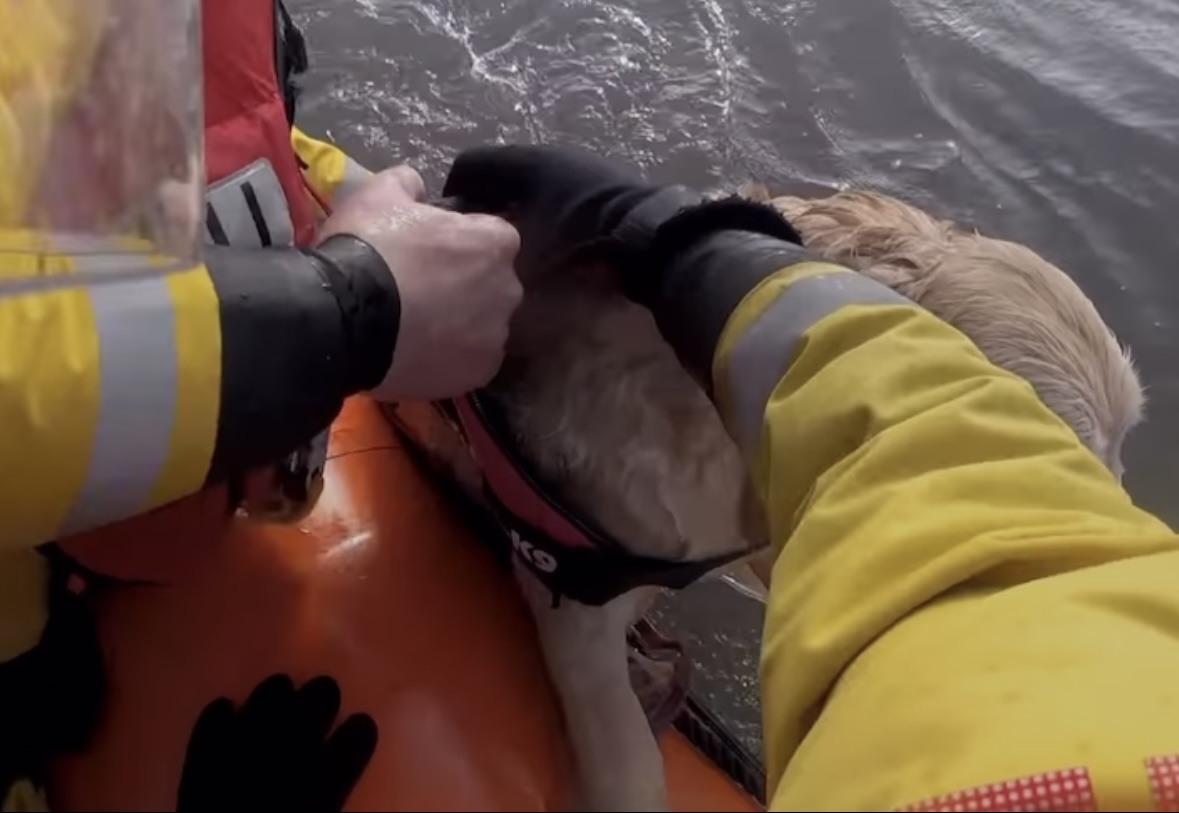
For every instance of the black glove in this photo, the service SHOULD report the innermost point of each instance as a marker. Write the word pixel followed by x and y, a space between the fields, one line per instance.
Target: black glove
pixel 689 260
pixel 50 696
pixel 568 203
pixel 276 753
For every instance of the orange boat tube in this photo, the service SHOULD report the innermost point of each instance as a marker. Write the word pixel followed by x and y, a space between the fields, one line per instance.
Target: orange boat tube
pixel 382 588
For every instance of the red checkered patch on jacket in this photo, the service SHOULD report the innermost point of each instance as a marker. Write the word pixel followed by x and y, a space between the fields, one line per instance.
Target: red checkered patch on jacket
pixel 1164 781
pixel 1066 790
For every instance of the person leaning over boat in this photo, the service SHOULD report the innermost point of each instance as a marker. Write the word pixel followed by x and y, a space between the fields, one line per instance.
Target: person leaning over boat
pixel 136 369
pixel 967 611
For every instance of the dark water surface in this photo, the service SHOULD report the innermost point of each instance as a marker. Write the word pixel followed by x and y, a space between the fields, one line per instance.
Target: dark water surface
pixel 1055 124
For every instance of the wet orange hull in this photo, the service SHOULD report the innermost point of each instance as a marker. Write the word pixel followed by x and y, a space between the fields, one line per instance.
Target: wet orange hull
pixel 382 588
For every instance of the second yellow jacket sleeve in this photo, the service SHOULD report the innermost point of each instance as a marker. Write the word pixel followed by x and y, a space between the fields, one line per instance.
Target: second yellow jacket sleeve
pixel 330 173
pixel 962 594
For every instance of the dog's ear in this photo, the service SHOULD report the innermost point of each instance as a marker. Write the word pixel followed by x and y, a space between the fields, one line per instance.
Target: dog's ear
pixel 754 191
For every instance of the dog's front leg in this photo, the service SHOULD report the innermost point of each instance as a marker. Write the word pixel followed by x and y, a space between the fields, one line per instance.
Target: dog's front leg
pixel 619 765
pixel 617 759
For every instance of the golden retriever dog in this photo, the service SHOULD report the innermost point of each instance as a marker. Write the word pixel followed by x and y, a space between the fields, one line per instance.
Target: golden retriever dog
pixel 603 412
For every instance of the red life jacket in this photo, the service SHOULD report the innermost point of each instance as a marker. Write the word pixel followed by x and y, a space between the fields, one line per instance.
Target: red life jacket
pixel 245 110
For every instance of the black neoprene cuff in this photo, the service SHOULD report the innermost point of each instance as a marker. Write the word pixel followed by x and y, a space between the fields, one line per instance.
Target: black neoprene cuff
pixel 703 284
pixel 300 332
pixel 693 261
pixel 369 302
pixel 675 218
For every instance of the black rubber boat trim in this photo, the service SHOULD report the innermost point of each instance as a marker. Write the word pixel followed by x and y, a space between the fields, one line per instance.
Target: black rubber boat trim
pixel 704 730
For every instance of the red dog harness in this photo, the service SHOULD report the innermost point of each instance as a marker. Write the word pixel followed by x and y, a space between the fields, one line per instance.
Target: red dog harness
pixel 567 552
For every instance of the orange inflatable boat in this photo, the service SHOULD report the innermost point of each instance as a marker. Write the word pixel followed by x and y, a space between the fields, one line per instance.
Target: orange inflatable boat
pixel 383 588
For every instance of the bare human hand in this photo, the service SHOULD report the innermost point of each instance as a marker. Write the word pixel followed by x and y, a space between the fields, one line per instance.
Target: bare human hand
pixel 455 277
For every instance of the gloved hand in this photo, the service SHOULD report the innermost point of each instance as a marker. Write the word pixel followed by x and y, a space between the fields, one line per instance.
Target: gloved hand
pixel 50 696
pixel 276 752
pixel 569 203
pixel 689 260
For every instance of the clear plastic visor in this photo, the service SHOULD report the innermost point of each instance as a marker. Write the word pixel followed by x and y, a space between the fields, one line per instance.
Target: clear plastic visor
pixel 100 139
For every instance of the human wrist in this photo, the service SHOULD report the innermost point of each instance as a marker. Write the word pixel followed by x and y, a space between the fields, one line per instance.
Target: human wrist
pixel 369 301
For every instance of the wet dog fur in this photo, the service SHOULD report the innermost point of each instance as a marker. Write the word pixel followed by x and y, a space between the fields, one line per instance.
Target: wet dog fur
pixel 602 409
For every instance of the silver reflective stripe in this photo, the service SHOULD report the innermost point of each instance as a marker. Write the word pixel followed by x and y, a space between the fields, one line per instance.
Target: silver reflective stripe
pixel 136 331
pixel 107 260
pixel 249 209
pixel 355 176
pixel 764 352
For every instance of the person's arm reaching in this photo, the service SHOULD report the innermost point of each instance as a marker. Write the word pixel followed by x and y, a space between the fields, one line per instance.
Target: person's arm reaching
pixel 129 395
pixel 963 595
pixel 223 367
pixel 264 347
pixel 936 612
pixel 203 372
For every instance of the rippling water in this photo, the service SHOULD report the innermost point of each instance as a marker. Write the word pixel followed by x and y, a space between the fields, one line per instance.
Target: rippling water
pixel 1053 124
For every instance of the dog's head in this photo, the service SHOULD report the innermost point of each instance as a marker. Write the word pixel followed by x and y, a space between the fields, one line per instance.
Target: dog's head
pixel 1029 317
pixel 1025 314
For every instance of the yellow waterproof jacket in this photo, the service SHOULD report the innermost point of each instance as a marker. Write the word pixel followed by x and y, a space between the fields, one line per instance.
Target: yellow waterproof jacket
pixel 967 610
pixel 119 397
pixel 217 356
pixel 123 395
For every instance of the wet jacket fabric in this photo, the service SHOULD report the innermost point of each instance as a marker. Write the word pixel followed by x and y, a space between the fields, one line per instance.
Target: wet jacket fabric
pixel 967 610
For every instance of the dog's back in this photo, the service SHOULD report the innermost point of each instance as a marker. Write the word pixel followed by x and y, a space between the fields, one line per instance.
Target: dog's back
pixel 604 410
